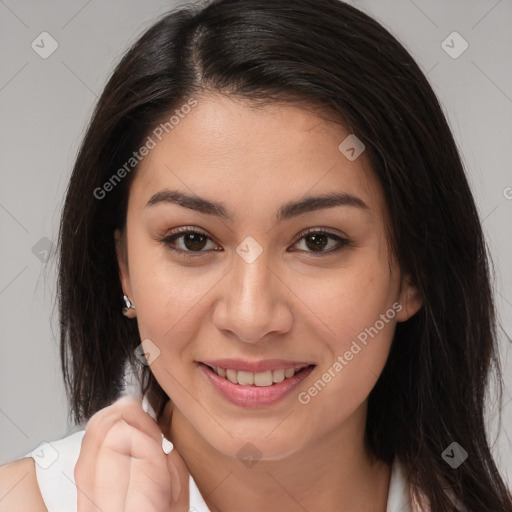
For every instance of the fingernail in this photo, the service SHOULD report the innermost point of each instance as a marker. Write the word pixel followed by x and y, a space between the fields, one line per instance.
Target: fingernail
pixel 147 408
pixel 167 446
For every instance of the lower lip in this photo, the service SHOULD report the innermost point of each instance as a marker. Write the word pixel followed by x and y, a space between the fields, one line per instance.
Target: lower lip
pixel 254 396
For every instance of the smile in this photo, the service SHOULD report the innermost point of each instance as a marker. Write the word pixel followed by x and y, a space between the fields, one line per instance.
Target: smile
pixel 252 389
pixel 262 379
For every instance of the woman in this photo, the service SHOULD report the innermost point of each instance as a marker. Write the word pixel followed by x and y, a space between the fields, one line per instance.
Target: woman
pixel 272 194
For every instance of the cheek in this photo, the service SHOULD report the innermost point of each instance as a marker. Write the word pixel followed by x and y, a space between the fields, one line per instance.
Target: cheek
pixel 347 377
pixel 359 310
pixel 167 296
pixel 350 301
pixel 363 314
pixel 359 360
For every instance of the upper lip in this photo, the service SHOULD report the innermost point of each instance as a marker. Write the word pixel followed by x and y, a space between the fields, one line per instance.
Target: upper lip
pixel 255 366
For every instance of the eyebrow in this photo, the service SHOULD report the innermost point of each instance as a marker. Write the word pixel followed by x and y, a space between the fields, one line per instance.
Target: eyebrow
pixel 286 212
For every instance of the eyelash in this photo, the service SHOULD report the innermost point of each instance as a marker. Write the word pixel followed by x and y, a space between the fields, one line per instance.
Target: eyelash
pixel 180 232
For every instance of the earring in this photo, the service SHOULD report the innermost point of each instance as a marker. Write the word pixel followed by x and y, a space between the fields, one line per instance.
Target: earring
pixel 128 306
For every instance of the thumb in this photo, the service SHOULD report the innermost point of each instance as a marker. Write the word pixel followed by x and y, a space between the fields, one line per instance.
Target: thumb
pixel 179 474
pixel 176 466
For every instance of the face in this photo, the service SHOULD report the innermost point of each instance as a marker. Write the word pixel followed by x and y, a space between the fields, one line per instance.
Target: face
pixel 230 261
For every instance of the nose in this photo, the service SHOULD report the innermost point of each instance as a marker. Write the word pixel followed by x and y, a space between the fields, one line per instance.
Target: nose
pixel 255 302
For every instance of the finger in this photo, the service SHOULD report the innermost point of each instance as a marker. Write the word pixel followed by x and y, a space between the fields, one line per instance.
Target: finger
pixel 127 408
pixel 140 461
pixel 129 465
pixel 126 440
pixel 178 472
pixel 146 406
pixel 133 413
pixel 137 483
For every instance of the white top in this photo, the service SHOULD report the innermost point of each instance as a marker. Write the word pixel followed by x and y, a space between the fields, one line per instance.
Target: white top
pixel 55 463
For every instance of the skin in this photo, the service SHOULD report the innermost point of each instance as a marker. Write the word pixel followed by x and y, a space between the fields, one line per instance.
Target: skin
pixel 290 303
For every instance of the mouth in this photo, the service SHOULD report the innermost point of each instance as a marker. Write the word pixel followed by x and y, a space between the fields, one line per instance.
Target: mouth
pixel 255 388
pixel 261 379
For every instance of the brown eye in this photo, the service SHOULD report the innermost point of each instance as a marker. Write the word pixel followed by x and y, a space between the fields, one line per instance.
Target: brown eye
pixel 322 242
pixel 194 241
pixel 188 242
pixel 317 242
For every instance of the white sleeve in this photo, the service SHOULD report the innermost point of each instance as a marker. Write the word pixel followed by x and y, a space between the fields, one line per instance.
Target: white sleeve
pixel 55 464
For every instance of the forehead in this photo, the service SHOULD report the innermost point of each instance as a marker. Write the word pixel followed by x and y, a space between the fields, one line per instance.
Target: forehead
pixel 229 149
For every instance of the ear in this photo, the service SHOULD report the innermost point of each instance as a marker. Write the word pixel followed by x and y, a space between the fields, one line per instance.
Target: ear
pixel 122 262
pixel 410 299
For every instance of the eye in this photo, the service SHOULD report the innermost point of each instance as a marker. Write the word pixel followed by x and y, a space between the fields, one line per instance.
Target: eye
pixel 190 241
pixel 316 240
pixel 193 242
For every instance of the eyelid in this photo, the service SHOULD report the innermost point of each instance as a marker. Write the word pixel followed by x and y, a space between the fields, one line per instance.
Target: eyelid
pixel 320 229
pixel 188 229
pixel 183 230
pixel 342 240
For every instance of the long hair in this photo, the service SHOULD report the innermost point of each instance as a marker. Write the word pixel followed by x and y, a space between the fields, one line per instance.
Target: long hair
pixel 329 56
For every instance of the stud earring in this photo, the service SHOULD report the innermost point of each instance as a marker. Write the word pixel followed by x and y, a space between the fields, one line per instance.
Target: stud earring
pixel 128 306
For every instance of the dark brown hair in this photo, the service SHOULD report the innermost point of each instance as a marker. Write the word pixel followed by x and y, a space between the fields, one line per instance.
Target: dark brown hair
pixel 327 55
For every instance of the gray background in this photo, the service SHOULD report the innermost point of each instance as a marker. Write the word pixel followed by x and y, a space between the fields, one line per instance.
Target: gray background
pixel 46 103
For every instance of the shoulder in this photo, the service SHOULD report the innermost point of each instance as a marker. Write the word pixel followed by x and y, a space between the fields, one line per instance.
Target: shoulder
pixel 19 489
pixel 42 481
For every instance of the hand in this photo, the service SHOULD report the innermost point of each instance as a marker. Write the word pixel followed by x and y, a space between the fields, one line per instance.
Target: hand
pixel 122 466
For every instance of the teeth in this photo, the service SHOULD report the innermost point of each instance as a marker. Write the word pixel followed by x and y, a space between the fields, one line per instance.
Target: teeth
pixel 261 379
pixel 246 378
pixel 278 375
pixel 232 375
pixel 289 372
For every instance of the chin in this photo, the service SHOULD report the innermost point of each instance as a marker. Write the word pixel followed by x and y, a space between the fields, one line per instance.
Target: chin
pixel 259 446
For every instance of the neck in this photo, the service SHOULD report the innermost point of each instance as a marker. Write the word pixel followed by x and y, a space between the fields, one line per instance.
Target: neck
pixel 335 472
